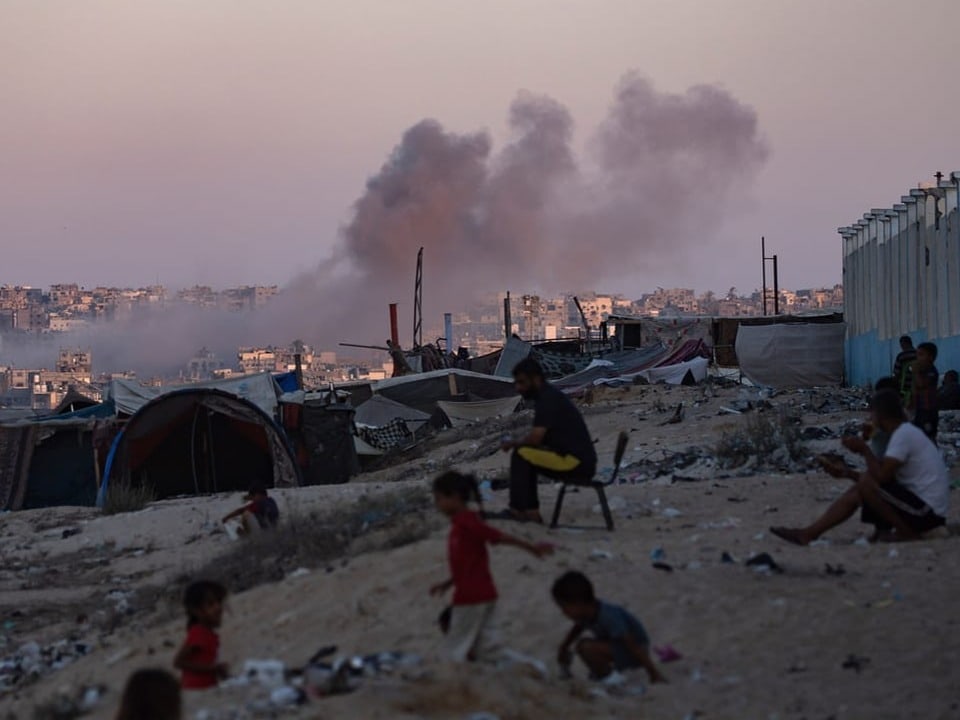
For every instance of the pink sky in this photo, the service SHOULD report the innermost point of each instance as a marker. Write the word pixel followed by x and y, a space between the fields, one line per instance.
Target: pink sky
pixel 224 142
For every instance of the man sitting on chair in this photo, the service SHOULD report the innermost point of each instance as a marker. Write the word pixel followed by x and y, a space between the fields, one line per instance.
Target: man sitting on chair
pixel 558 446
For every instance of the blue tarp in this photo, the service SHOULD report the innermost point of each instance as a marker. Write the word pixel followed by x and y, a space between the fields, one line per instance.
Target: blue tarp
pixel 287 381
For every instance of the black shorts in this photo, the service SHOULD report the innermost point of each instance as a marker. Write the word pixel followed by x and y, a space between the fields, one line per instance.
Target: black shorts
pixel 917 515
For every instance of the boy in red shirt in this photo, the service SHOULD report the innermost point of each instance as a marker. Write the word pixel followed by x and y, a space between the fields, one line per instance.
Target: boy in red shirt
pixel 197 658
pixel 474 594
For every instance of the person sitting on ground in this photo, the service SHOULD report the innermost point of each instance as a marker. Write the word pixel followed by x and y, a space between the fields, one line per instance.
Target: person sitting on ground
pixel 197 658
pixel 878 439
pixel 903 366
pixel 468 629
pixel 619 641
pixel 949 396
pixel 926 378
pixel 260 512
pixel 151 694
pixel 559 445
pixel 903 494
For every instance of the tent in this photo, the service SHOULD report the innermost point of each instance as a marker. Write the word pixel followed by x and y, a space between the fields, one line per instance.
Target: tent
pixel 54 460
pixel 422 391
pixel 465 413
pixel 261 389
pixel 792 355
pixel 200 440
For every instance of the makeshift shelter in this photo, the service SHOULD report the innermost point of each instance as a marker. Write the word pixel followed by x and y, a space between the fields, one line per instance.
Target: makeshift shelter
pixel 386 424
pixel 464 413
pixel 424 390
pixel 792 355
pixel 200 440
pixel 54 460
pixel 261 389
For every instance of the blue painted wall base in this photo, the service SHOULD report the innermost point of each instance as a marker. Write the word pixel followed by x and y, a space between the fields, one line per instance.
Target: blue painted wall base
pixel 868 358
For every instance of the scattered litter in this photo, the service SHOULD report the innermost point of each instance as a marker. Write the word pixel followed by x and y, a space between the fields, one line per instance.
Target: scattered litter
pixel 269 673
pixel 299 572
pixel 667 654
pixel 70 532
pixel 727 559
pixel 287 696
pixel 893 553
pixel 835 570
pixel 671 513
pixel 658 554
pixel 663 566
pixel 820 543
pixel 601 555
pixel 764 563
pixel 862 542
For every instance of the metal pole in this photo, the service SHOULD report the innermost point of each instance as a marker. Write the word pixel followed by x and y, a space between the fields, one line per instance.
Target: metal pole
pixel 394 327
pixel 776 288
pixel 507 321
pixel 763 264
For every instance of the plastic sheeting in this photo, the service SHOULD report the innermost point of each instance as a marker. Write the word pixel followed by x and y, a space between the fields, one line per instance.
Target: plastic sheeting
pixel 465 413
pixel 794 355
pixel 260 389
pixel 379 411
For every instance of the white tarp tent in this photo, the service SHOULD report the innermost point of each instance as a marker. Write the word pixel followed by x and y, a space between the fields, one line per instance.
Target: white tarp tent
pixel 260 389
pixel 464 413
pixel 792 355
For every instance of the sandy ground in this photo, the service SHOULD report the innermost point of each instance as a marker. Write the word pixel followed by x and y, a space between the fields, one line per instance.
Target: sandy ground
pixel 754 644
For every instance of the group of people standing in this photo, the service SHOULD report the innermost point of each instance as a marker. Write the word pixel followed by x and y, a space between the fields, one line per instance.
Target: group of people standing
pixel 918 382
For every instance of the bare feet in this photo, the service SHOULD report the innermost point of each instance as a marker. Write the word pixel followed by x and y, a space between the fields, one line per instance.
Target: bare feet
pixel 792 535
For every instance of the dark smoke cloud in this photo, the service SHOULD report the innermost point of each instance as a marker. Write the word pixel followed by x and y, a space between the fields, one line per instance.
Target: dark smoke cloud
pixel 652 184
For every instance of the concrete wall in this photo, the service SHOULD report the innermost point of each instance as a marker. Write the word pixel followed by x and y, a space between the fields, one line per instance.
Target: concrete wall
pixel 901 274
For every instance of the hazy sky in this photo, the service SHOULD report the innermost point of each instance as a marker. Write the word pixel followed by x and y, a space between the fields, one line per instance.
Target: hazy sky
pixel 225 141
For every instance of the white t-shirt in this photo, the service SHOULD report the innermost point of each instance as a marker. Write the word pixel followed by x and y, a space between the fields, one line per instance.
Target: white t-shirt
pixel 923 471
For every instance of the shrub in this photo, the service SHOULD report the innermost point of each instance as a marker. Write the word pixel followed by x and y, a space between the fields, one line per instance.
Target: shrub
pixel 123 497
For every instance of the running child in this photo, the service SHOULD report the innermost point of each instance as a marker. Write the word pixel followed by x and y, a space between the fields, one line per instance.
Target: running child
pixel 474 595
pixel 619 641
pixel 197 658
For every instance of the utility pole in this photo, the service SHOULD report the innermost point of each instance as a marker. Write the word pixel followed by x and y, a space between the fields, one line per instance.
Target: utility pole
pixel 763 264
pixel 418 303
pixel 776 278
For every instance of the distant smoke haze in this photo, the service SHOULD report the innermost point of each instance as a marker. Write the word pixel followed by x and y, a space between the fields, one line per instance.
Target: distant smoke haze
pixel 651 186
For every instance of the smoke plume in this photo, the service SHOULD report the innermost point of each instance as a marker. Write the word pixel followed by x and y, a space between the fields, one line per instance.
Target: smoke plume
pixel 651 184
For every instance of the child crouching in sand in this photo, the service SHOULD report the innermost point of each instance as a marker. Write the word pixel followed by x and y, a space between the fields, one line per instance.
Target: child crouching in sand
pixel 197 657
pixel 474 594
pixel 620 641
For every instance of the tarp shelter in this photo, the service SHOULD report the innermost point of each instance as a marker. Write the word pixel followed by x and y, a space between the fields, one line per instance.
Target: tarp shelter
pixel 260 389
pixel 55 460
pixel 792 355
pixel 465 413
pixel 200 440
pixel 386 424
pixel 424 390
pixel 641 332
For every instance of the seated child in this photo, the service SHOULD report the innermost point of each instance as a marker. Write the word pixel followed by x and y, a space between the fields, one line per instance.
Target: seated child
pixel 260 512
pixel 474 594
pixel 619 640
pixel 150 694
pixel 197 657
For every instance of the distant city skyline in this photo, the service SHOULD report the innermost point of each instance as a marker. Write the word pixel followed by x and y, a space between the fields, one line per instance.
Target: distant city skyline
pixel 223 144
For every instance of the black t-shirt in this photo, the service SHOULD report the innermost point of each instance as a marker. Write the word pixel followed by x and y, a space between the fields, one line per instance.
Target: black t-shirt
pixel 566 431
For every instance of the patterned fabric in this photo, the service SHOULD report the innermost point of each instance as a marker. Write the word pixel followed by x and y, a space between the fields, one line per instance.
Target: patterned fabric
pixel 392 435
